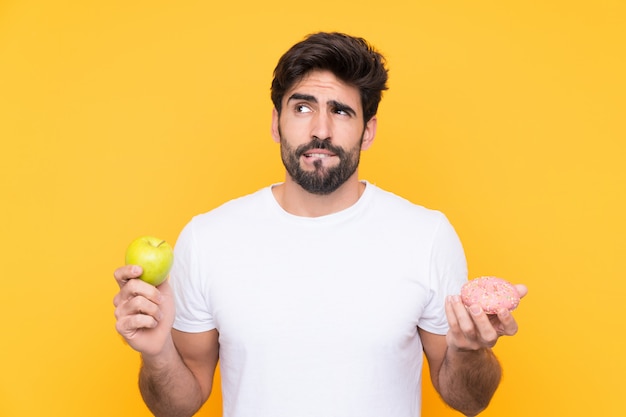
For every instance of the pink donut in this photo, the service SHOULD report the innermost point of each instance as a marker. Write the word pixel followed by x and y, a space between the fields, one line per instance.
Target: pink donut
pixel 491 293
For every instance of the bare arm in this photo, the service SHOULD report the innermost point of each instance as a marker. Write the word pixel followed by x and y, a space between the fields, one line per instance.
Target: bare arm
pixel 463 368
pixel 179 380
pixel 177 368
pixel 466 380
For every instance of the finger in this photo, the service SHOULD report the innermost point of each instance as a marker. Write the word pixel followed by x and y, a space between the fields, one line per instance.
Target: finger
pixel 125 273
pixel 452 320
pixel 487 334
pixel 507 323
pixel 137 288
pixel 129 326
pixel 454 337
pixel 138 305
pixel 522 290
pixel 462 329
pixel 464 321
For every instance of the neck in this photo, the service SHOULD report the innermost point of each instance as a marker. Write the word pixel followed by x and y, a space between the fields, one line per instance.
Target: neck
pixel 296 200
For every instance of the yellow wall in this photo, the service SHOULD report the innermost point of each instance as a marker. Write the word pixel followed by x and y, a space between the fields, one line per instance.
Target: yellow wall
pixel 123 118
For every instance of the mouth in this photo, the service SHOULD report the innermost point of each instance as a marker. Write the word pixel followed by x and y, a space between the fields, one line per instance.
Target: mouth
pixel 318 154
pixel 316 159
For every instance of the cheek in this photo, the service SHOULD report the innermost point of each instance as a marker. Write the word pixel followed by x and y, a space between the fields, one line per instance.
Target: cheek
pixel 352 136
pixel 293 131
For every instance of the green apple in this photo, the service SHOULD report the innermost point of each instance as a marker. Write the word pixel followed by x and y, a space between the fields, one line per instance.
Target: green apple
pixel 155 256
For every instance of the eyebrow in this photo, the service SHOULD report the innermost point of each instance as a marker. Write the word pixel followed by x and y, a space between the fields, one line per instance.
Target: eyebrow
pixel 334 103
pixel 305 97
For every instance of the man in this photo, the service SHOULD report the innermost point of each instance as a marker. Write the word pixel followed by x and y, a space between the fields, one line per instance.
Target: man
pixel 318 294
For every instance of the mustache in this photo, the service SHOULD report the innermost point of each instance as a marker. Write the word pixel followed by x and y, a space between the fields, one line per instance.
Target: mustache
pixel 317 143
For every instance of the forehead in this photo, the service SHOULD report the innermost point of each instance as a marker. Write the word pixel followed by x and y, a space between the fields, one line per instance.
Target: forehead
pixel 324 85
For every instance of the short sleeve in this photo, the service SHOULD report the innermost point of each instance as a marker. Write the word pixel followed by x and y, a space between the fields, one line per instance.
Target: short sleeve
pixel 189 285
pixel 447 273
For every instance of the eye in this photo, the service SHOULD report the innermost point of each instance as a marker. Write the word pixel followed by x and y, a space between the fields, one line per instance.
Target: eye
pixel 302 108
pixel 342 110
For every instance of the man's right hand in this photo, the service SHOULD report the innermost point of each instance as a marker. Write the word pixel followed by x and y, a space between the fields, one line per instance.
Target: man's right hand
pixel 144 313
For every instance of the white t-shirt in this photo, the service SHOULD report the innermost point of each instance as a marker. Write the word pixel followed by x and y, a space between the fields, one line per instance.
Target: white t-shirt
pixel 318 316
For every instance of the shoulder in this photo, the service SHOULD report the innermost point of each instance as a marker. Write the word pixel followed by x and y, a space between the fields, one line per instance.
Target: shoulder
pixel 229 219
pixel 236 205
pixel 401 209
pixel 239 208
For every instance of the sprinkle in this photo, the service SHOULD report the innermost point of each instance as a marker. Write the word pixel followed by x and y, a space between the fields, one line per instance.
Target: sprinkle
pixel 491 293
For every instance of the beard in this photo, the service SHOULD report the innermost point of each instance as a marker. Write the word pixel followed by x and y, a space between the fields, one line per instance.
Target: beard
pixel 322 180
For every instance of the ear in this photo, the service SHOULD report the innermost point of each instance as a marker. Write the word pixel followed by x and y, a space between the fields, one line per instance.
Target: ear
pixel 369 133
pixel 275 120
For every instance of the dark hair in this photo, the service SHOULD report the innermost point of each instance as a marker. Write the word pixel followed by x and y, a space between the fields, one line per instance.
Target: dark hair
pixel 353 60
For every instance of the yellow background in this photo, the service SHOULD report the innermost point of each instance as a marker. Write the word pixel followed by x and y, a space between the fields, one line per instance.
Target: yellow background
pixel 125 118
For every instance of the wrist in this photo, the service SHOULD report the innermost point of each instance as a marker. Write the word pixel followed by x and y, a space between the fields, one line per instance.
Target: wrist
pixel 162 358
pixel 463 358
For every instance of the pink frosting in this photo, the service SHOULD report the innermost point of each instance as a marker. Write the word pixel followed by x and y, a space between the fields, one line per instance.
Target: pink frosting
pixel 491 293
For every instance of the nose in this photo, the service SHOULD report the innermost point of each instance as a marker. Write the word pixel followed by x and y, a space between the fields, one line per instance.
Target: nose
pixel 322 126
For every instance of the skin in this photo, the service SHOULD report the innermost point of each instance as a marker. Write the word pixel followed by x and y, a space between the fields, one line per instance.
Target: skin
pixel 321 106
pixel 177 369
